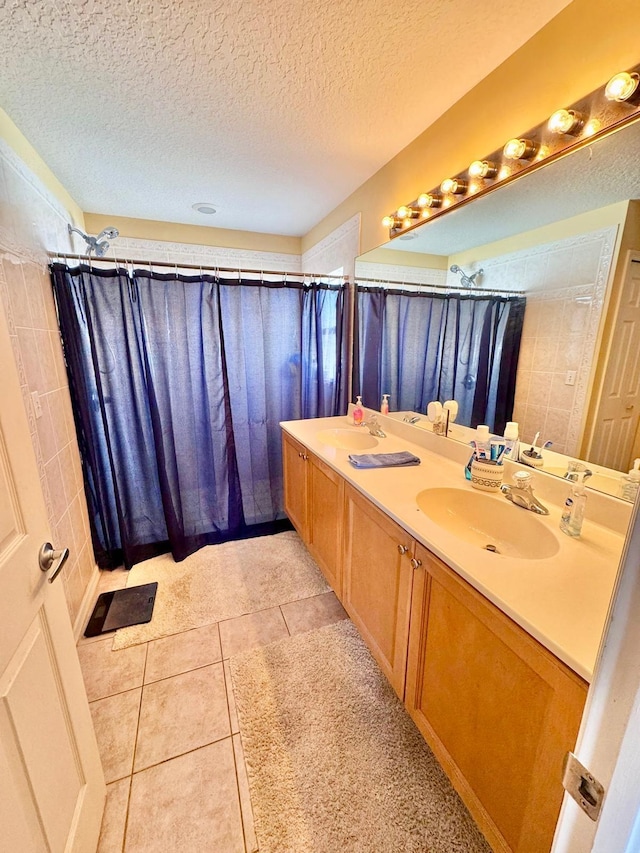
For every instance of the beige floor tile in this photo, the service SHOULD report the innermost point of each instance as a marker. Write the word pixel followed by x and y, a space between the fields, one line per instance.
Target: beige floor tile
pixel 251 630
pixel 231 700
pixel 117 579
pixel 250 840
pixel 180 714
pixel 85 641
pixel 114 820
pixel 189 804
pixel 182 652
pixel 107 672
pixel 307 614
pixel 116 721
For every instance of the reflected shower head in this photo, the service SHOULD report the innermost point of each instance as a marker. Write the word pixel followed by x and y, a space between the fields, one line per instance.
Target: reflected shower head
pixel 98 245
pixel 465 280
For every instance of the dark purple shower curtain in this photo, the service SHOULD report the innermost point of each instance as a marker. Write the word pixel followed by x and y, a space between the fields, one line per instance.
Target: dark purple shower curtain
pixel 178 385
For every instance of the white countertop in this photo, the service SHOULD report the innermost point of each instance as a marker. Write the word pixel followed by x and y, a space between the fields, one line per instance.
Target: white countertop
pixel 561 601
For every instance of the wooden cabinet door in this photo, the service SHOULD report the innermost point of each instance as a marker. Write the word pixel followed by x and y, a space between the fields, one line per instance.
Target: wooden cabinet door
pixel 498 709
pixel 294 464
pixel 324 522
pixel 377 582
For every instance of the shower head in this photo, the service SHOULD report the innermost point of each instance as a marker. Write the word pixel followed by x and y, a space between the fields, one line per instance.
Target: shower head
pixel 98 245
pixel 465 280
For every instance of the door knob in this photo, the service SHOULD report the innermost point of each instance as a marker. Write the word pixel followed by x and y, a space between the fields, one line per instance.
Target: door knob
pixel 402 549
pixel 48 557
pixel 415 563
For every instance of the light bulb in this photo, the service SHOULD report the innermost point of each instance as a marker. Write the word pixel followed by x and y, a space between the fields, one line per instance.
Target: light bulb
pixel 406 212
pixel 520 149
pixel 454 185
pixel 389 221
pixel 566 121
pixel 407 223
pixel 429 200
pixel 483 169
pixel 623 87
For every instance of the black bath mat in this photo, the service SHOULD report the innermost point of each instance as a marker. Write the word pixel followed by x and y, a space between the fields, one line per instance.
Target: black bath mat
pixel 121 608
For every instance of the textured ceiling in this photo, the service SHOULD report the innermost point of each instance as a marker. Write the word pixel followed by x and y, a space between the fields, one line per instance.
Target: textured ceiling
pixel 275 110
pixel 604 173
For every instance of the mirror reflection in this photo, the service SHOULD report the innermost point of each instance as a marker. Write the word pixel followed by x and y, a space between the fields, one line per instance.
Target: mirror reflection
pixel 567 239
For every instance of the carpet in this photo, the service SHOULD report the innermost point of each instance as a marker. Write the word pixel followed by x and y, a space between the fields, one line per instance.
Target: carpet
pixel 334 761
pixel 223 581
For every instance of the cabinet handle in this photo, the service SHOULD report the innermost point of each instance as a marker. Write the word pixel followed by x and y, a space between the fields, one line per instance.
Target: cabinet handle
pixel 402 549
pixel 415 563
pixel 305 457
pixel 301 454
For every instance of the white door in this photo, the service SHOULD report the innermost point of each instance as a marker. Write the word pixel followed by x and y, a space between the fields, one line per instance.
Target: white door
pixel 52 789
pixel 618 415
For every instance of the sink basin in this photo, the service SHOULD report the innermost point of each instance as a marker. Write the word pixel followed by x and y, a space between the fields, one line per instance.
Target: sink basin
pixel 347 439
pixel 489 521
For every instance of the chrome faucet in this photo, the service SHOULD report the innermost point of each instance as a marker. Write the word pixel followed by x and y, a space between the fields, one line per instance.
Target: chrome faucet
pixel 374 427
pixel 574 468
pixel 521 493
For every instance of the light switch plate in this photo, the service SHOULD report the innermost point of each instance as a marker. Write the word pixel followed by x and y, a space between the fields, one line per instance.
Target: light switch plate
pixel 582 786
pixel 570 377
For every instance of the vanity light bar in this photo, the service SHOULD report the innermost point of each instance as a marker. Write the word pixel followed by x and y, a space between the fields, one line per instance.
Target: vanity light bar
pixel 601 112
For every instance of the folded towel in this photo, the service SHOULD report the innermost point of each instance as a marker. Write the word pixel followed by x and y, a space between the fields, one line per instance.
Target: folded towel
pixel 383 460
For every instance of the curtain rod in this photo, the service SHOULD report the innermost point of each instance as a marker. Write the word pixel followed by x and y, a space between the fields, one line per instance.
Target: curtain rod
pixel 487 290
pixel 199 267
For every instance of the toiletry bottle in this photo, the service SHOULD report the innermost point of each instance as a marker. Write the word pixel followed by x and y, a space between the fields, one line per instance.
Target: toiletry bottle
pixel 358 412
pixel 511 443
pixel 384 406
pixel 631 482
pixel 483 442
pixel 574 506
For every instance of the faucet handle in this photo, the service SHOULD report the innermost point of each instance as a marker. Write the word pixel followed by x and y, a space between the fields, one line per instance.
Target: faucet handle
pixel 522 479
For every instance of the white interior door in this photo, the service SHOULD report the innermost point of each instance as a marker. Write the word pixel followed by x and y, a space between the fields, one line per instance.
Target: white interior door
pixel 52 788
pixel 618 415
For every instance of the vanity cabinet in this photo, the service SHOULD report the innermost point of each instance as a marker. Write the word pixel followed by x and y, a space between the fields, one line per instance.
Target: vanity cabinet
pixel 498 710
pixel 294 468
pixel 313 501
pixel 377 580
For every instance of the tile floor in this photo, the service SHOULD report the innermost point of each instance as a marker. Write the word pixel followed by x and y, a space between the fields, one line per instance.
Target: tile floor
pixel 168 732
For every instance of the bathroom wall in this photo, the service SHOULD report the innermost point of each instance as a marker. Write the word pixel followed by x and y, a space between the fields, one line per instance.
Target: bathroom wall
pixel 32 221
pixel 565 283
pixel 132 248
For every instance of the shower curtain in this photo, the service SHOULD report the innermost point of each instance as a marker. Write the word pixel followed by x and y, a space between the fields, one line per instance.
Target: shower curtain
pixel 419 346
pixel 178 385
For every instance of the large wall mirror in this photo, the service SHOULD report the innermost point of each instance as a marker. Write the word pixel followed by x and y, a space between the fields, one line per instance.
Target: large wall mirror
pixel 567 237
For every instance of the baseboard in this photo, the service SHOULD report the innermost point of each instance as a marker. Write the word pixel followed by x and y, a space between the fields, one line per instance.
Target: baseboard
pixel 87 604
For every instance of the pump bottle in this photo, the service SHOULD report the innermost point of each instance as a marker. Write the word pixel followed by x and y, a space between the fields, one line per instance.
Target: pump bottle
pixel 358 412
pixel 574 507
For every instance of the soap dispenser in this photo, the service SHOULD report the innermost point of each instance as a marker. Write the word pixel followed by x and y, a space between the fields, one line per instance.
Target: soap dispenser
pixel 631 482
pixel 574 507
pixel 358 412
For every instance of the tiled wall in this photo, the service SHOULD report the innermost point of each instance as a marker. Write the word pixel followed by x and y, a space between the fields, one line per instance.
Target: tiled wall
pixel 31 222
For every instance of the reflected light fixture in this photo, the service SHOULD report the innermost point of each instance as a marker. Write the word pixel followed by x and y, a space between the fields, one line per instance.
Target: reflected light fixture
pixel 483 169
pixel 457 186
pixel 566 121
pixel 623 87
pixel 429 200
pixel 520 149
